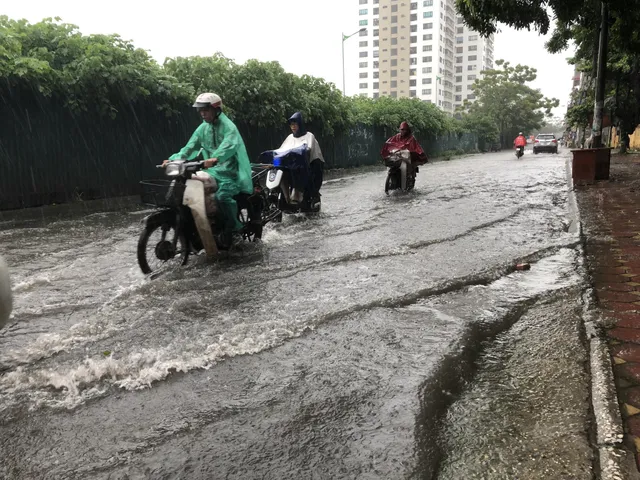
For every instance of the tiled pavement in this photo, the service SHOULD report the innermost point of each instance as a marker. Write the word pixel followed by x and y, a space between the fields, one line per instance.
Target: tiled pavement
pixel 610 212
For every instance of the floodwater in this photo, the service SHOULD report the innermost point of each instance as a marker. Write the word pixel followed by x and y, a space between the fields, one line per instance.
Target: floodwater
pixel 388 337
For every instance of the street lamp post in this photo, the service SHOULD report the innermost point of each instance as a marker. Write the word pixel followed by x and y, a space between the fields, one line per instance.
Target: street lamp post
pixel 344 37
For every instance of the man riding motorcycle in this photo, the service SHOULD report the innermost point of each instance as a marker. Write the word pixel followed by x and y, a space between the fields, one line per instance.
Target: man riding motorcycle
pixel 520 141
pixel 405 141
pixel 226 158
pixel 300 136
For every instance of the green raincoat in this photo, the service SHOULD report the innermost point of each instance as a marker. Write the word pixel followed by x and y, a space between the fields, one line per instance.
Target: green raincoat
pixel 222 140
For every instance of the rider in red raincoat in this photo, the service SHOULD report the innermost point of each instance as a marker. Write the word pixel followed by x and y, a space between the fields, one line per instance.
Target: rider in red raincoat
pixel 405 141
pixel 520 141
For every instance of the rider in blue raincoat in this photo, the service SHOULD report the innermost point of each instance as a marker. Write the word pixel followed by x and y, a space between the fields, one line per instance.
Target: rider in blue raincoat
pixel 227 159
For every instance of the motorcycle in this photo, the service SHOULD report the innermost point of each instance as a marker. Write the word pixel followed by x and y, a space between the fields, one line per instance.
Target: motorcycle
pixel 399 173
pixel 519 152
pixel 186 218
pixel 287 183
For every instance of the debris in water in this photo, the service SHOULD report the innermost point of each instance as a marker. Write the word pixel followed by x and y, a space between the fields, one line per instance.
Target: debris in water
pixel 523 266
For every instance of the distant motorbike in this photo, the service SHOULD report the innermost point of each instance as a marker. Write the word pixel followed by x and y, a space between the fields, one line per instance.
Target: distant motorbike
pixel 519 152
pixel 287 183
pixel 400 175
pixel 186 220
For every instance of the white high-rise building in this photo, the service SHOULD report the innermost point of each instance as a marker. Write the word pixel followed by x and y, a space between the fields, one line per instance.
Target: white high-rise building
pixel 419 49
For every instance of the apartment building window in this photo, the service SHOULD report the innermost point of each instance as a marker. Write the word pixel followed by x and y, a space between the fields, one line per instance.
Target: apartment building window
pixel 413 39
pixel 473 48
pixel 459 78
pixel 412 93
pixel 427 3
pixel 459 49
pixel 459 39
pixel 376 53
pixel 364 54
pixel 424 59
pixel 376 32
pixel 427 14
pixel 427 26
pixel 471 77
pixel 458 88
pixel 376 64
pixel 394 41
pixel 471 68
pixel 376 21
pixel 394 8
pixel 364 33
pixel 473 58
pixel 364 43
pixel 364 75
pixel 394 19
pixel 376 74
pixel 394 62
pixel 458 69
pixel 460 20
pixel 364 64
pixel 471 96
pixel 458 98
pixel 414 6
pixel 413 28
pixel 394 84
pixel 394 73
pixel 376 43
pixel 426 91
pixel 363 2
pixel 426 81
pixel 460 30
pixel 427 48
pixel 427 36
pixel 364 85
pixel 413 61
pixel 413 50
pixel 363 11
pixel 458 59
pixel 394 52
pixel 413 17
pixel 376 95
pixel 363 23
pixel 412 72
pixel 394 94
pixel 469 87
pixel 376 11
pixel 376 85
pixel 427 69
pixel 473 38
pixel 394 30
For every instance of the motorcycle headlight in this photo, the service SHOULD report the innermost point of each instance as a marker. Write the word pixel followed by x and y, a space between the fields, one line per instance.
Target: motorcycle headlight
pixel 172 169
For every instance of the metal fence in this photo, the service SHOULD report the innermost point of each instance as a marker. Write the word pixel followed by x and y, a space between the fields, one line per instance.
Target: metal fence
pixel 49 155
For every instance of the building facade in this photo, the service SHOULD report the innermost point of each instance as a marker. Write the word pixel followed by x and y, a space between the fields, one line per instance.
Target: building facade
pixel 419 49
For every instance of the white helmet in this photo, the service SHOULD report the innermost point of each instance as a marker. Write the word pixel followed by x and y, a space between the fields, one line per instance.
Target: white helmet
pixel 208 100
pixel 520 133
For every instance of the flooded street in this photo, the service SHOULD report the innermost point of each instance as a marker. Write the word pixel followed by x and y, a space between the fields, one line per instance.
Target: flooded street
pixel 389 337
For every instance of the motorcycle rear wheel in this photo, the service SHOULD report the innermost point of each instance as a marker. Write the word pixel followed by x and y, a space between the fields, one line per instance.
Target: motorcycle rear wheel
pixel 164 251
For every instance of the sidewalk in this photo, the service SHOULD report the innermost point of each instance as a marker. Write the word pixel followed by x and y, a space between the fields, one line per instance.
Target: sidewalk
pixel 610 214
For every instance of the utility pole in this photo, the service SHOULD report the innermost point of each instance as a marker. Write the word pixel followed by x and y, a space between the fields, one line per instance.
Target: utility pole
pixel 344 37
pixel 602 75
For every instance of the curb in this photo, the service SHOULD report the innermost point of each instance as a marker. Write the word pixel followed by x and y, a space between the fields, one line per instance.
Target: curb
pixel 614 462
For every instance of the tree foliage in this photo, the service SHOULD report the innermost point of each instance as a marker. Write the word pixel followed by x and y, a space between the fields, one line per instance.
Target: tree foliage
pixel 504 99
pixel 101 72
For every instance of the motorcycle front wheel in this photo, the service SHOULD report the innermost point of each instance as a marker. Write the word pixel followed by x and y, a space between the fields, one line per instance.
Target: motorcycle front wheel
pixel 168 250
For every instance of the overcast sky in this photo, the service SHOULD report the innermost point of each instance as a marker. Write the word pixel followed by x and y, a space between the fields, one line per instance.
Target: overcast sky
pixel 303 35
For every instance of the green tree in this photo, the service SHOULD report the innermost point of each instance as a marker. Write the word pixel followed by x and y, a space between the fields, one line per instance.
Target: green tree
pixel 96 72
pixel 504 99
